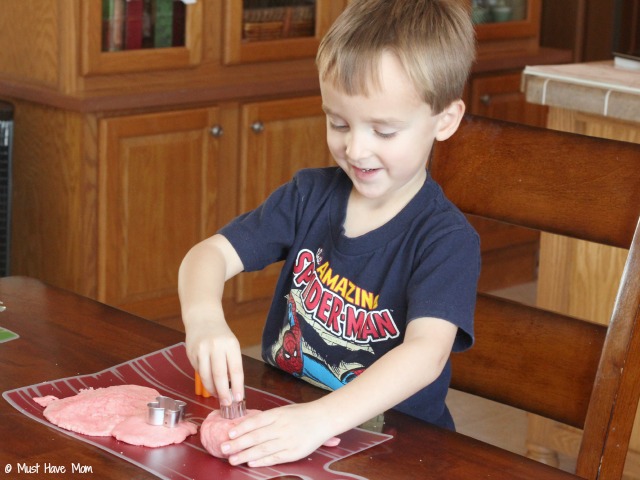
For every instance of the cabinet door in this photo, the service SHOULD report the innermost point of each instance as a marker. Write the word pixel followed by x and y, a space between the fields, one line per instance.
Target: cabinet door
pixel 278 139
pixel 499 96
pixel 158 184
pixel 97 59
pixel 258 30
pixel 508 20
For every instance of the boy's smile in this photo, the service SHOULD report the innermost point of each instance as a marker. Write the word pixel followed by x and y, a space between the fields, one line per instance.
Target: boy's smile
pixel 382 140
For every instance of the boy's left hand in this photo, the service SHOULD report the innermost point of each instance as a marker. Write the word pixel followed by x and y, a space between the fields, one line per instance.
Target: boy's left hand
pixel 280 435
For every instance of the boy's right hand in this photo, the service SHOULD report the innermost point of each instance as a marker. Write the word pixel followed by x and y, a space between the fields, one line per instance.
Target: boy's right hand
pixel 214 351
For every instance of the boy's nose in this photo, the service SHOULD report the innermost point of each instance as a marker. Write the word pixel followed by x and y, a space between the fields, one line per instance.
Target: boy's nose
pixel 355 146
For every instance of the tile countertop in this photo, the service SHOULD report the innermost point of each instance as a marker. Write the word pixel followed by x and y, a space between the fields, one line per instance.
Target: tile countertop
pixel 597 88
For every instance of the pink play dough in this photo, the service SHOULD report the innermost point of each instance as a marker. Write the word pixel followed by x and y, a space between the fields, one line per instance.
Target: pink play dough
pixel 136 431
pixel 45 401
pixel 120 410
pixel 97 411
pixel 214 431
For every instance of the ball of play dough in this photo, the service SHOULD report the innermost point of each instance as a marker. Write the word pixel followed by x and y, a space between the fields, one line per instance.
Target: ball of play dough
pixel 214 431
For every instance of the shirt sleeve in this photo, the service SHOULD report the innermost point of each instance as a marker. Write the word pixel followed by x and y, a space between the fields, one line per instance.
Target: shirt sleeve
pixel 264 235
pixel 444 283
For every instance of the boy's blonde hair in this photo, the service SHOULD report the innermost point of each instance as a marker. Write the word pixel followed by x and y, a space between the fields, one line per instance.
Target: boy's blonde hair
pixel 434 40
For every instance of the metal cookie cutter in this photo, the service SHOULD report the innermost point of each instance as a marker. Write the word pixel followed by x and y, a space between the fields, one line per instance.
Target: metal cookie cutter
pixel 235 410
pixel 165 411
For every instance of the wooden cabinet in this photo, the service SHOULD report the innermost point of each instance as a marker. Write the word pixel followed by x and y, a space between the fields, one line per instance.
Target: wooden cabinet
pixel 586 27
pixel 278 138
pixel 117 171
pixel 158 187
pixel 504 49
pixel 125 159
pixel 51 54
pixel 54 226
pixel 108 206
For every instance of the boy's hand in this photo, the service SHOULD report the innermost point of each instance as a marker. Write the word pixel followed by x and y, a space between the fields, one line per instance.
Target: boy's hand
pixel 280 435
pixel 214 351
pixel 212 348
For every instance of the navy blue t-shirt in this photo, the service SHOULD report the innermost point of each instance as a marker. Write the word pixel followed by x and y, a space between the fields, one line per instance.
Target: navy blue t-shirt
pixel 341 303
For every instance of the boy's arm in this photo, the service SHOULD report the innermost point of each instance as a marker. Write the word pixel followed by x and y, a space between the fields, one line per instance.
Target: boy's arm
pixel 212 348
pixel 294 431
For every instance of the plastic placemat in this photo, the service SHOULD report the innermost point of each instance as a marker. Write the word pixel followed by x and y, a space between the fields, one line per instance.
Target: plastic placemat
pixel 169 371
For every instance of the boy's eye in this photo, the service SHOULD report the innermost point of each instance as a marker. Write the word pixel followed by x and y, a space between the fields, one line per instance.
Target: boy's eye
pixel 386 134
pixel 338 127
pixel 343 127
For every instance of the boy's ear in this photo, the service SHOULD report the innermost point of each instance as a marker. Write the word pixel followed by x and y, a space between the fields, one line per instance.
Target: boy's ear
pixel 450 119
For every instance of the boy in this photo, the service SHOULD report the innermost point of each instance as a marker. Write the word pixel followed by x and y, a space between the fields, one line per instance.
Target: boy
pixel 380 272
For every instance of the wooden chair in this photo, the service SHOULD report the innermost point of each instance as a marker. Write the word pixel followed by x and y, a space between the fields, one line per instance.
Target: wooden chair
pixel 579 373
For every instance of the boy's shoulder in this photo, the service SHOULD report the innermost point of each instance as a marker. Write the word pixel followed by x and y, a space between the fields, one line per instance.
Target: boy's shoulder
pixel 440 211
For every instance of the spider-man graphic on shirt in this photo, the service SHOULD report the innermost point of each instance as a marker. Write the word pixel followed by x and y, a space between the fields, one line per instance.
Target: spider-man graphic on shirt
pixel 290 356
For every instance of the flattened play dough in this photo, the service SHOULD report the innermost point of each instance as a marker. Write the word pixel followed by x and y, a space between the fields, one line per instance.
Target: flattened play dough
pixel 97 411
pixel 136 431
pixel 120 410
pixel 45 401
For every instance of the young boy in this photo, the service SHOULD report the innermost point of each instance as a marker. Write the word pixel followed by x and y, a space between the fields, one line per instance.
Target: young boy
pixel 380 272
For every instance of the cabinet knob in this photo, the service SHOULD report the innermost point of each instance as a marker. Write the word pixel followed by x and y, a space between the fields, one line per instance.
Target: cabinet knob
pixel 485 99
pixel 217 131
pixel 257 127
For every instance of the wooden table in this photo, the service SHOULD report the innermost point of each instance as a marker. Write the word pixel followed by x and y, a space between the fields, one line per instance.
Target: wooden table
pixel 63 334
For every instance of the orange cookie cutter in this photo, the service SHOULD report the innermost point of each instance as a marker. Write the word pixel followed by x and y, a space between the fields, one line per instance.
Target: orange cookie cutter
pixel 200 390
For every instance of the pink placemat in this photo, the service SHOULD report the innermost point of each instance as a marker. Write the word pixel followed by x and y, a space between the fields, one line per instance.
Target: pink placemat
pixel 170 372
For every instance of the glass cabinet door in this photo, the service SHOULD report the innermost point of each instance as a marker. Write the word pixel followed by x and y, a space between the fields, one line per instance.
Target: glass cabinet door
pixel 500 19
pixel 139 35
pixel 134 24
pixel 264 20
pixel 497 11
pixel 267 30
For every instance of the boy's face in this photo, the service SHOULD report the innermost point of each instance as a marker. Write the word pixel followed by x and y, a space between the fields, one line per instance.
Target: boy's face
pixel 382 141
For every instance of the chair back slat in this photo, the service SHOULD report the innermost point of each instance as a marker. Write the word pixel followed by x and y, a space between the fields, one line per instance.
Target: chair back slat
pixel 543 179
pixel 499 366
